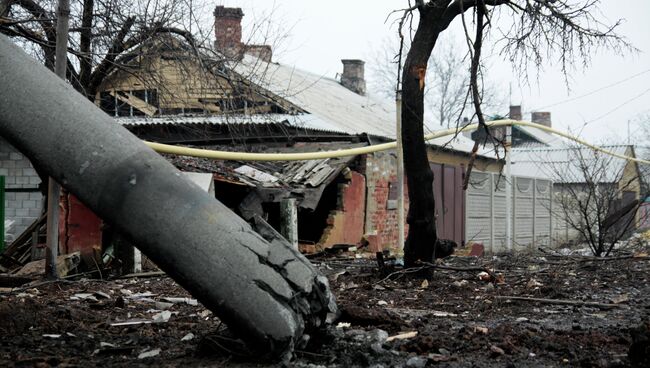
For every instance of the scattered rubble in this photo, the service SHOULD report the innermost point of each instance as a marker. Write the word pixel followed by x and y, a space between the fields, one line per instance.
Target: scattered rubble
pixel 549 311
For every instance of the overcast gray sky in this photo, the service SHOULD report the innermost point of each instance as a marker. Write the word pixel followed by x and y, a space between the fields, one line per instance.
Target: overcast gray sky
pixel 323 32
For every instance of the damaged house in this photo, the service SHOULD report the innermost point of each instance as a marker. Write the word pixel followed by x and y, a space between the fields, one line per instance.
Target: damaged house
pixel 236 98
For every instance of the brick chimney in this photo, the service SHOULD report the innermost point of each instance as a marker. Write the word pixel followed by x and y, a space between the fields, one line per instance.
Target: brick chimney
pixel 515 112
pixel 541 117
pixel 353 76
pixel 227 31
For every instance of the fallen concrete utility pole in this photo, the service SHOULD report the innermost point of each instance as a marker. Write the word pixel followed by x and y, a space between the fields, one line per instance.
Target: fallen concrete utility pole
pixel 269 295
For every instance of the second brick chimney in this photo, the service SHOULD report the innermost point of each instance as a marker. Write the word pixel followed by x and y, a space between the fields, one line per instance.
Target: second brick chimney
pixel 227 31
pixel 541 117
pixel 515 112
pixel 353 76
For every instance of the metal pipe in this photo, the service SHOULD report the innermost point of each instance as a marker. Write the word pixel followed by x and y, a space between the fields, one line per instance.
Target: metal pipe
pixel 248 156
pixel 268 295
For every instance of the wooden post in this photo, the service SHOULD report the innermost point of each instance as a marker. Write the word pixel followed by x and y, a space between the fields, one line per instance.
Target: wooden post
pixel 53 188
pixel 509 190
pixel 289 221
pixel 400 177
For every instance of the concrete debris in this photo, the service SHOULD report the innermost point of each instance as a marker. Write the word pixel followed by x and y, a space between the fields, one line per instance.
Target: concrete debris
pixel 188 301
pixel 163 306
pixel 443 314
pixel 379 336
pixel 149 354
pixel 188 337
pixel 84 296
pixel 342 325
pixel 623 298
pixel 162 317
pixel 416 362
pixel 101 294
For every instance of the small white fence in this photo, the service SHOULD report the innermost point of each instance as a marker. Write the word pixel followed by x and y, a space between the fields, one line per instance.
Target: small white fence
pixel 486 212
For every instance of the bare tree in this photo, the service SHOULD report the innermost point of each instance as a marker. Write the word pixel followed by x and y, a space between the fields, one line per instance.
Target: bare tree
pixel 446 87
pixel 595 197
pixel 532 29
pixel 103 33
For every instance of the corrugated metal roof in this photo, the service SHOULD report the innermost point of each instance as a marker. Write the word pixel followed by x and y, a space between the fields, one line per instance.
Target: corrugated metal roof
pixel 569 164
pixel 330 106
pixel 540 135
pixel 337 108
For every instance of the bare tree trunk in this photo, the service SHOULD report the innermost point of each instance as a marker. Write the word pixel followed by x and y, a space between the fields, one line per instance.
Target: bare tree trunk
pixel 422 236
pixel 85 37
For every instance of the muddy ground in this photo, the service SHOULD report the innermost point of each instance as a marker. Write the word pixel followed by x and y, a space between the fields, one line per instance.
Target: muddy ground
pixel 460 320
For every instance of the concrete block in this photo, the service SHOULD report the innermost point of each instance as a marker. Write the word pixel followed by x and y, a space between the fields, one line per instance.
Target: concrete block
pixel 37 196
pixel 22 196
pixel 28 220
pixel 29 204
pixel 34 180
pixel 22 180
pixel 15 156
pixel 10 212
pixel 23 164
pixel 29 171
pixel 4 171
pixel 14 204
pixel 15 172
pixel 10 196
pixel 34 212
pixel 8 164
pixel 22 212
pixel 19 229
pixel 10 180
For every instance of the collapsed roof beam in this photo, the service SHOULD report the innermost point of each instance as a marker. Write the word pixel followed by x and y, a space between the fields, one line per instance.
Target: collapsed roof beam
pixel 270 296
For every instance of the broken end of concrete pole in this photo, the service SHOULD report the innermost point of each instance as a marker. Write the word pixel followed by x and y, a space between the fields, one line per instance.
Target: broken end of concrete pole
pixel 267 293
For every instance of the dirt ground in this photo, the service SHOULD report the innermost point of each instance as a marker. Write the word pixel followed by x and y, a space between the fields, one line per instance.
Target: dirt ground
pixel 389 319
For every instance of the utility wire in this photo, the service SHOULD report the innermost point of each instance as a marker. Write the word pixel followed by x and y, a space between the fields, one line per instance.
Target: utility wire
pixel 592 92
pixel 619 106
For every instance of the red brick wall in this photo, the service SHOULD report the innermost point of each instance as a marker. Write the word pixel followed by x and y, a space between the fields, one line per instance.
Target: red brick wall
pixel 346 223
pixel 382 225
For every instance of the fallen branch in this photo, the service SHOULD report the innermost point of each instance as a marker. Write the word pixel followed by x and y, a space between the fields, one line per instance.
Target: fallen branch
pixel 561 302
